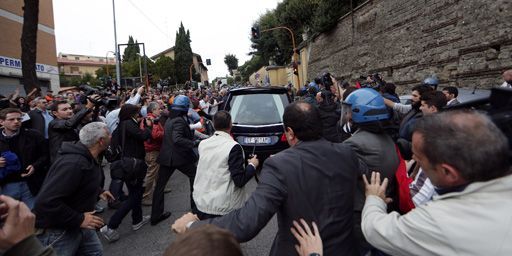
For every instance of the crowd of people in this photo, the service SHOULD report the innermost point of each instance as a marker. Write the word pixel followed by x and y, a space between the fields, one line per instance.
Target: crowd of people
pixel 364 174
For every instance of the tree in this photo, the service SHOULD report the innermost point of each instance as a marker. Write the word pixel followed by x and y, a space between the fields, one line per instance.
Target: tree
pixel 182 55
pixel 301 16
pixel 102 72
pixel 251 66
pixel 132 51
pixel 165 69
pixel 232 63
pixel 29 45
pixel 328 13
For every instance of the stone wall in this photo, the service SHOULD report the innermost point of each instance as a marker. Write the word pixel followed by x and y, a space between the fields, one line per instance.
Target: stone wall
pixel 466 43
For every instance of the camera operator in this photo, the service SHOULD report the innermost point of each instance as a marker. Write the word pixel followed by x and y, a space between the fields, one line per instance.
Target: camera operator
pixel 64 126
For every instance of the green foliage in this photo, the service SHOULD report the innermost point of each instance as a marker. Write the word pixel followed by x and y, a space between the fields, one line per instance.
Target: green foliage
pixel 231 81
pixel 232 62
pixel 328 13
pixel 182 55
pixel 102 72
pixel 301 16
pixel 131 52
pixel 267 46
pixel 165 69
pixel 251 66
pixel 78 80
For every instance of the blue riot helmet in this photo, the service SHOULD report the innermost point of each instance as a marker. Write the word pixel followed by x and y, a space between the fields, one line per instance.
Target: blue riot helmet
pixel 181 103
pixel 431 81
pixel 366 105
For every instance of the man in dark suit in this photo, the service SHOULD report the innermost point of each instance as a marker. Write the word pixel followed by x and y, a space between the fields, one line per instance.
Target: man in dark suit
pixel 176 153
pixel 451 94
pixel 40 117
pixel 314 179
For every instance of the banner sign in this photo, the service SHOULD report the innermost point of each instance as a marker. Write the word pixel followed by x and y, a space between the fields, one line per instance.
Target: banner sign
pixel 16 63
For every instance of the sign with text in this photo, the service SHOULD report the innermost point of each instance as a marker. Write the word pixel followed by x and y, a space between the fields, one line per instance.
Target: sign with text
pixel 16 63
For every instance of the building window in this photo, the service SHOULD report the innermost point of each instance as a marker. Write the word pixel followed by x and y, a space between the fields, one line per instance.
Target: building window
pixel 74 69
pixel 77 58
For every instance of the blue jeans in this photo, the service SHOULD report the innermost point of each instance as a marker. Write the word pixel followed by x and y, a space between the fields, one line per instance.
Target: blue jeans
pixel 72 242
pixel 19 191
pixel 133 203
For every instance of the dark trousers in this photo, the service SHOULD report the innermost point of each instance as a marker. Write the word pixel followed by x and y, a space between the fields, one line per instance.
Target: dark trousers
pixel 165 172
pixel 132 203
pixel 116 188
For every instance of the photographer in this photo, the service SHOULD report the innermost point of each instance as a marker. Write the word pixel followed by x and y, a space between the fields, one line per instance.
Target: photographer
pixel 64 126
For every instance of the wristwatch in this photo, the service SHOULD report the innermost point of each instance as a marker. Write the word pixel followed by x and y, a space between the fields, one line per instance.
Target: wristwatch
pixel 314 254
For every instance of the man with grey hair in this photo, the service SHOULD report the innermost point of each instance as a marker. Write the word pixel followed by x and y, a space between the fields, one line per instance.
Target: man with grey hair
pixel 65 206
pixel 40 118
pixel 152 147
pixel 465 156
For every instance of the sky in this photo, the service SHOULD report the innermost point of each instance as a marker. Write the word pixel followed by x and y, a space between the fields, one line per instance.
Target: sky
pixel 217 27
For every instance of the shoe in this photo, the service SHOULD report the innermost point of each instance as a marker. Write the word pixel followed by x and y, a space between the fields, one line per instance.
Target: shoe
pixel 144 221
pixel 111 235
pixel 98 208
pixel 167 190
pixel 162 217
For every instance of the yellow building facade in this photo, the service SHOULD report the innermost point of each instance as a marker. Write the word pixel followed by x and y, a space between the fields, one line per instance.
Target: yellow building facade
pixel 271 76
pixel 79 65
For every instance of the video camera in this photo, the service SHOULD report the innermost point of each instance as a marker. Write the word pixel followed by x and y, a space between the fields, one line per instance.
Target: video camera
pixel 105 99
pixel 373 81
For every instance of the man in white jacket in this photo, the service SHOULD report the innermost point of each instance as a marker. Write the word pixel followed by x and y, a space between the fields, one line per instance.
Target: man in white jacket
pixel 219 185
pixel 466 157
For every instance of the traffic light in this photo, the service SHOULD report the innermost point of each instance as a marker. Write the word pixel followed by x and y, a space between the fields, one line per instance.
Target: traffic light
pixel 208 62
pixel 295 68
pixel 255 31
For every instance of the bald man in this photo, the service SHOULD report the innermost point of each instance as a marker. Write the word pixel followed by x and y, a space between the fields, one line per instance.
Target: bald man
pixel 507 76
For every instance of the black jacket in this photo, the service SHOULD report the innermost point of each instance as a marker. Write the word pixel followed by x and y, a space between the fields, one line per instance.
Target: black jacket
pixel 60 130
pixel 330 122
pixel 36 121
pixel 313 180
pixel 70 189
pixel 30 147
pixel 134 138
pixel 177 144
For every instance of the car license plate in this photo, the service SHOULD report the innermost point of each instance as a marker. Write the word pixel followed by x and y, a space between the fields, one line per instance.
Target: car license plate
pixel 257 140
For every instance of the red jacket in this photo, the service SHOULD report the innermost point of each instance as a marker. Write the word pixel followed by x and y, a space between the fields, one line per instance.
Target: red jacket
pixel 157 135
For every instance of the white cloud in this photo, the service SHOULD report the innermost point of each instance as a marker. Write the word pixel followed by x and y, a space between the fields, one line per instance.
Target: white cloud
pixel 216 27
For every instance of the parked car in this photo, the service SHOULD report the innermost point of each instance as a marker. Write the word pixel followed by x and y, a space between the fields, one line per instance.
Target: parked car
pixel 257 116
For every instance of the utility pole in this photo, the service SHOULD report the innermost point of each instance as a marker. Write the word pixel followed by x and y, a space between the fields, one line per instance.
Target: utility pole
pixel 118 56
